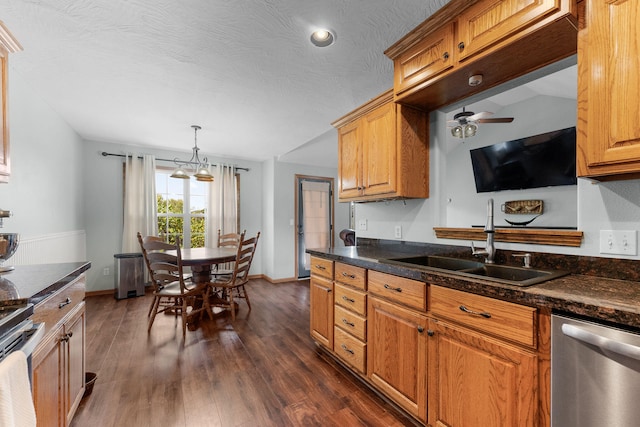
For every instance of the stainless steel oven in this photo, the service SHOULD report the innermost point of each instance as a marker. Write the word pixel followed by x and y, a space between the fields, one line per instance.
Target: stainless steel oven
pixel 18 332
pixel 595 374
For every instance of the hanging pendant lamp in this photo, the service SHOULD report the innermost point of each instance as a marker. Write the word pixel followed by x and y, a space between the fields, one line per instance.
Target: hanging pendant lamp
pixel 200 168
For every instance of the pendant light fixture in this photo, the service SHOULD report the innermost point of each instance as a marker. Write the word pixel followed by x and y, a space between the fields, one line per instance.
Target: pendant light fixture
pixel 199 168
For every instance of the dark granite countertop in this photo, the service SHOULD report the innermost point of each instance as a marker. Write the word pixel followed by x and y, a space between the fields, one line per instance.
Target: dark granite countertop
pixel 582 293
pixel 35 282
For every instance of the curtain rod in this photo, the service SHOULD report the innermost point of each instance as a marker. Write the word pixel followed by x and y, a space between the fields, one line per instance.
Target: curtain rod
pixel 105 154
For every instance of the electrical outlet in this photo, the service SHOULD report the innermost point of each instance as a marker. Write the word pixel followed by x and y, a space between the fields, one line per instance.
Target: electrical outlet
pixel 398 232
pixel 106 271
pixel 618 242
pixel 362 225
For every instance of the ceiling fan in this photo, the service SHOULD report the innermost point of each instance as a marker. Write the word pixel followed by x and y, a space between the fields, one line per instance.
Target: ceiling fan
pixel 465 123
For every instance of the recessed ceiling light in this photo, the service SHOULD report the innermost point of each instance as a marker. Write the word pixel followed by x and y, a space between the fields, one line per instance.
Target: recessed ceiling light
pixel 323 37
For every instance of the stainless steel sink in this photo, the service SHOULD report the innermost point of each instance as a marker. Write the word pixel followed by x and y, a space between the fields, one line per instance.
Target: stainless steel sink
pixel 433 261
pixel 517 276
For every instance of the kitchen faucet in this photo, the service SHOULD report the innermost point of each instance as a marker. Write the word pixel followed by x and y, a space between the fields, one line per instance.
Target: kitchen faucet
pixel 489 251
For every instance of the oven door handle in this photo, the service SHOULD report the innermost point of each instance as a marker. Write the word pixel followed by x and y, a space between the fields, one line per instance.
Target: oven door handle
pixel 622 348
pixel 30 345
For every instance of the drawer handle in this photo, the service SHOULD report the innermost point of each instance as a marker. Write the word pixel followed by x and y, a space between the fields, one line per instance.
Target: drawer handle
pixel 346 322
pixel 347 299
pixel 320 267
pixel 391 288
pixel 350 276
pixel 347 349
pixel 65 302
pixel 475 313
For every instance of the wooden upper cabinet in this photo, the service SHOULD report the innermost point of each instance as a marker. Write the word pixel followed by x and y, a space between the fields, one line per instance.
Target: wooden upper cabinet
pixel 499 39
pixel 379 151
pixel 608 79
pixel 489 22
pixel 430 57
pixel 8 44
pixel 383 152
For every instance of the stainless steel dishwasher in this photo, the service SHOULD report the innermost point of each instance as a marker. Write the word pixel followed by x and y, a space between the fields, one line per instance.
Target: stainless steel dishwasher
pixel 595 375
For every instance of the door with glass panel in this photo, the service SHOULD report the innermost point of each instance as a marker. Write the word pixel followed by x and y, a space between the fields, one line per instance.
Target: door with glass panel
pixel 314 218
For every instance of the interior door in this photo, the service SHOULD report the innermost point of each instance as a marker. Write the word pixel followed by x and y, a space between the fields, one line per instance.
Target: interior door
pixel 314 218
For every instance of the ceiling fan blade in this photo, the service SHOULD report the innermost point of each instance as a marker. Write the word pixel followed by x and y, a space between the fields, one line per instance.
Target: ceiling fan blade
pixel 480 115
pixel 496 120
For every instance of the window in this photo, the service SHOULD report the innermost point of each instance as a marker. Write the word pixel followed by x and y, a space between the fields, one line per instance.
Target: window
pixel 181 209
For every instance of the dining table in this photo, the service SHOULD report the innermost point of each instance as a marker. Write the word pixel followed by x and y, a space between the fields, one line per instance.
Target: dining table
pixel 201 262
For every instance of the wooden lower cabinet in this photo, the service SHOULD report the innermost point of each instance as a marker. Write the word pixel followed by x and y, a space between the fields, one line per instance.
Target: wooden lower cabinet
pixel 321 308
pixel 397 354
pixel 475 380
pixel 59 371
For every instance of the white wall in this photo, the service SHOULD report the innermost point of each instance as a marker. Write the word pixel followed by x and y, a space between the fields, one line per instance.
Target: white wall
pixel 453 201
pixel 44 192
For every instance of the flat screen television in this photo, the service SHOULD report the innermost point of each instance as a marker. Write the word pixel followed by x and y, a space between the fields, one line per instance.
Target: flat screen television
pixel 543 160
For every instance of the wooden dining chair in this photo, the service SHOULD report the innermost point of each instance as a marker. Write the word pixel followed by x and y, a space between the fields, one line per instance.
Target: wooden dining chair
pixel 229 288
pixel 167 272
pixel 228 240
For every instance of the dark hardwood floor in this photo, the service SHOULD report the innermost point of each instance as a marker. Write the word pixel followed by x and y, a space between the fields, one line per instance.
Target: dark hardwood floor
pixel 261 370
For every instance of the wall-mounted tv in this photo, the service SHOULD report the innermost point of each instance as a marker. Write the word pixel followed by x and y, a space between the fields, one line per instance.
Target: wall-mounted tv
pixel 537 161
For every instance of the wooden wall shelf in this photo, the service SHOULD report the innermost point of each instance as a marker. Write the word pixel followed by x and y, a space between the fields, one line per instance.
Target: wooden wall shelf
pixel 515 235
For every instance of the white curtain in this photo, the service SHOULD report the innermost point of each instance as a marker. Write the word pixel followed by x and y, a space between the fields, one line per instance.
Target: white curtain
pixel 140 211
pixel 223 203
pixel 315 216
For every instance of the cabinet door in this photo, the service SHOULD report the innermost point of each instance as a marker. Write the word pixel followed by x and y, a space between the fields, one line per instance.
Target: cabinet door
pixel 48 381
pixel 379 150
pixel 397 355
pixel 430 57
pixel 608 74
pixel 349 160
pixel 488 22
pixel 478 381
pixel 74 338
pixel 321 309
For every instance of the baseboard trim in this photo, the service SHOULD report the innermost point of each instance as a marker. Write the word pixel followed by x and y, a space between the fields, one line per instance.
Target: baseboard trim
pixel 274 281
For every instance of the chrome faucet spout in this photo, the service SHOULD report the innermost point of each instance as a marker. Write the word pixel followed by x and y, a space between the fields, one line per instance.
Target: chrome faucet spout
pixel 490 250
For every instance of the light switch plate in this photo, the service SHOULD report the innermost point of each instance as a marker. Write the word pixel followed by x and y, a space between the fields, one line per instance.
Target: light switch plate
pixel 362 225
pixel 619 242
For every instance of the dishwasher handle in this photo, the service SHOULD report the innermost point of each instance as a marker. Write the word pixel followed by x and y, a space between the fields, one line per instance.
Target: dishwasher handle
pixel 618 347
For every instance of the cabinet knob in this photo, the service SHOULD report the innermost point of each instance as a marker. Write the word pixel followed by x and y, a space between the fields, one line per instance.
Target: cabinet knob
pixel 420 329
pixel 430 333
pixel 461 45
pixel 445 55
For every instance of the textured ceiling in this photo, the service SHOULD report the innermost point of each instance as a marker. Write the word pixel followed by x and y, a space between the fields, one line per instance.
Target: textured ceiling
pixel 141 72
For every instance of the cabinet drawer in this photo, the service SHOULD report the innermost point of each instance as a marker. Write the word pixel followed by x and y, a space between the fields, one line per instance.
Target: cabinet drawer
pixel 351 299
pixel 405 291
pixel 504 319
pixel 350 349
pixel 54 308
pixel 322 267
pixel 354 324
pixel 351 275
